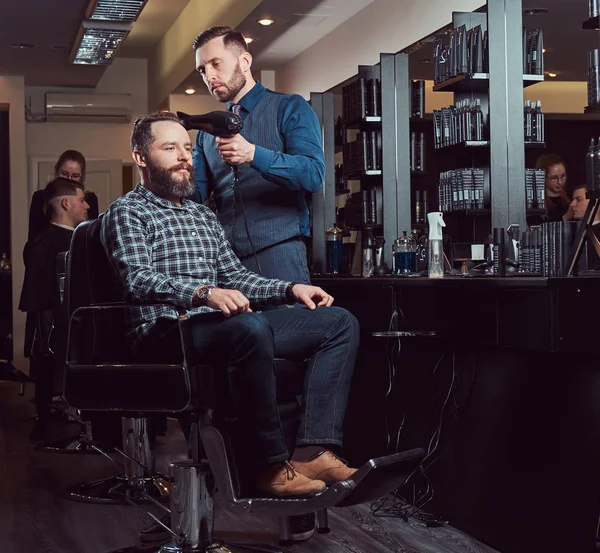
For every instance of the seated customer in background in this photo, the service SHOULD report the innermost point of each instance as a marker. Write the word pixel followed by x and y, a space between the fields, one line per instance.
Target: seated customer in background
pixel 40 296
pixel 164 247
pixel 579 206
pixel 70 165
pixel 556 198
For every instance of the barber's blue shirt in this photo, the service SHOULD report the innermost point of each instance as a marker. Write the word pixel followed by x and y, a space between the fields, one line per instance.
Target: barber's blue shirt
pixel 300 167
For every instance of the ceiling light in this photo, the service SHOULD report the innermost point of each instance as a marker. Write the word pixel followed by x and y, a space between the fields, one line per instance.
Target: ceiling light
pixel 115 10
pixel 550 74
pixel 190 90
pixel 543 50
pixel 21 45
pixel 108 23
pixel 265 21
pixel 248 39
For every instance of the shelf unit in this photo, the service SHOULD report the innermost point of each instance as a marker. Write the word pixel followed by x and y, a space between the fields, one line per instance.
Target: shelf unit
pixel 501 93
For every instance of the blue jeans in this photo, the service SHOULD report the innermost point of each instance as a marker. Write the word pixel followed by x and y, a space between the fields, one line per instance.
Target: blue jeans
pixel 285 261
pixel 245 345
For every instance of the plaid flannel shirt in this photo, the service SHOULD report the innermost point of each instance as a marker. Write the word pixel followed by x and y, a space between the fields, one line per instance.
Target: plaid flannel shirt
pixel 163 252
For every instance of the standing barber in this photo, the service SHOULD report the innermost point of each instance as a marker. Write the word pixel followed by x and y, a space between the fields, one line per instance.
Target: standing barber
pixel 279 156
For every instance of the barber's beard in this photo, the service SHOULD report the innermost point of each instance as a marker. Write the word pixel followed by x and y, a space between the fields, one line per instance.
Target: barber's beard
pixel 167 182
pixel 233 86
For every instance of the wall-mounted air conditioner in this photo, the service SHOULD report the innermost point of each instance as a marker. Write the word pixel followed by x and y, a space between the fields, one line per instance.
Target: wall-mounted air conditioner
pixel 88 108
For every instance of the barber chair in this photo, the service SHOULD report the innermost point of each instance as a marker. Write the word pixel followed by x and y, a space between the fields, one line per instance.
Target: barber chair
pixel 186 386
pixel 48 342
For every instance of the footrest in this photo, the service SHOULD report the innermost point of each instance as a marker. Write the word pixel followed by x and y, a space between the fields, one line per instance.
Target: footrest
pixel 374 480
pixel 381 476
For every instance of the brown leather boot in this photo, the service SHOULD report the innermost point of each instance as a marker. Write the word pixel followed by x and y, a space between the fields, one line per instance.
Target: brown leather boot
pixel 283 481
pixel 326 466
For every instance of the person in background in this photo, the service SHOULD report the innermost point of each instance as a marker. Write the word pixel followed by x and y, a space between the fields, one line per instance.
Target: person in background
pixel 279 156
pixel 70 165
pixel 40 295
pixel 579 206
pixel 557 200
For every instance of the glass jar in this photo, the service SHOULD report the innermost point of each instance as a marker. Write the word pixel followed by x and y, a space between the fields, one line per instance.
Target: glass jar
pixel 405 255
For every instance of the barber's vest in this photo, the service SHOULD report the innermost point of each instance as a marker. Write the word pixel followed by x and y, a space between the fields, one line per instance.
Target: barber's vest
pixel 272 211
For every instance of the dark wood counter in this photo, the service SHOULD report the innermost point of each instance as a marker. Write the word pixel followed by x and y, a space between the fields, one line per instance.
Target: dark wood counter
pixel 513 376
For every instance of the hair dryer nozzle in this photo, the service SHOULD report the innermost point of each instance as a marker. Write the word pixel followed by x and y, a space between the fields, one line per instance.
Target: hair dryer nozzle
pixel 217 123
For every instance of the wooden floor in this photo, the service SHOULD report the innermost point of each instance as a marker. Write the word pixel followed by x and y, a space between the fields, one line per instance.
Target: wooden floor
pixel 35 519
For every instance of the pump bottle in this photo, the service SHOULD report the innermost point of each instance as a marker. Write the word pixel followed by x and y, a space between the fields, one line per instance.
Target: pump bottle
pixel 436 249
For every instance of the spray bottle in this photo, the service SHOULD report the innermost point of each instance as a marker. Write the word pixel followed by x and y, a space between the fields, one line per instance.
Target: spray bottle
pixel 436 248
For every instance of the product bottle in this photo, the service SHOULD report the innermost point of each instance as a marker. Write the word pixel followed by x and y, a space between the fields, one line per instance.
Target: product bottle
pixel 477 121
pixel 436 249
pixel 334 249
pixel 499 252
pixel 528 116
pixel 589 166
pixel 539 122
pixel 597 163
pixel 367 256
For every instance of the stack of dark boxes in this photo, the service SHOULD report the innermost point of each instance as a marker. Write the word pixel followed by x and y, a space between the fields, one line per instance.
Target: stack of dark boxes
pixel 361 101
pixel 363 156
pixel 535 188
pixel 461 189
pixel 557 239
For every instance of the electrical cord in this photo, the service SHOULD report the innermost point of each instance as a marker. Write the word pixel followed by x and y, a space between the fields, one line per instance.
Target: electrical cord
pixel 238 188
pixel 395 504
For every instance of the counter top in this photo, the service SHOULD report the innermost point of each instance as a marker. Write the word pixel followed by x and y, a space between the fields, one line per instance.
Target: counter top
pixel 465 282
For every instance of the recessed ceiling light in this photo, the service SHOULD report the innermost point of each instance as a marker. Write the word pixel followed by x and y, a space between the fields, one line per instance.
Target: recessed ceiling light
pixel 190 90
pixel 248 39
pixel 265 21
pixel 21 45
pixel 534 11
pixel 543 50
pixel 426 60
pixel 550 74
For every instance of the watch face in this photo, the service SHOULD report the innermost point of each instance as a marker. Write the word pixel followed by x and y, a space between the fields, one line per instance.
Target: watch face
pixel 204 294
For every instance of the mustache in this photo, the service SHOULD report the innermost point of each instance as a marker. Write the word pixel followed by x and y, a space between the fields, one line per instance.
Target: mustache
pixel 185 166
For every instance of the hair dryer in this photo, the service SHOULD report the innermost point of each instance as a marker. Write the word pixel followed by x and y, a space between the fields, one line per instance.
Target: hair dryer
pixel 217 123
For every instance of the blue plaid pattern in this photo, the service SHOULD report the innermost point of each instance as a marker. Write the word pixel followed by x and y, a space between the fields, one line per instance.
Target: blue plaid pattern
pixel 163 252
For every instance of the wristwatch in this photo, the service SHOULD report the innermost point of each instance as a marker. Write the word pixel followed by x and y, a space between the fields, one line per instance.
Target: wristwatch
pixel 289 295
pixel 202 295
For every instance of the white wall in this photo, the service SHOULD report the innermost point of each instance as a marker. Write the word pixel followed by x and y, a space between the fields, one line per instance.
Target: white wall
pixel 559 97
pixel 383 26
pixel 12 93
pixel 94 140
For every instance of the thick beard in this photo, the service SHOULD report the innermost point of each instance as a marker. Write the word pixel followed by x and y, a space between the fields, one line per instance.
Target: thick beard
pixel 233 86
pixel 166 183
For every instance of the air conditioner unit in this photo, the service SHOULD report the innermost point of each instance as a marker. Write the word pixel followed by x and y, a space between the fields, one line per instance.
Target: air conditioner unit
pixel 88 108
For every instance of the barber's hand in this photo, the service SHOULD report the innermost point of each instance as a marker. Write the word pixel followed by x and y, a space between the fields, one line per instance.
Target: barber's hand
pixel 235 150
pixel 229 302
pixel 308 295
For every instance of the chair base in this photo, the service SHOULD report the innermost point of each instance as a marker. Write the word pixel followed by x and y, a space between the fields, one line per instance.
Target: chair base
pixel 117 490
pixel 74 445
pixel 216 547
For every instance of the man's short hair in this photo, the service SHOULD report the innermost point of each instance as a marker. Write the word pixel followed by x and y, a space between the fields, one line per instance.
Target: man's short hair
pixel 231 38
pixel 142 137
pixel 57 188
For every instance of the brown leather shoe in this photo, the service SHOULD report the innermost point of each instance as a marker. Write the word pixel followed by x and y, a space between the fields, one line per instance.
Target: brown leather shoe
pixel 326 466
pixel 283 481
